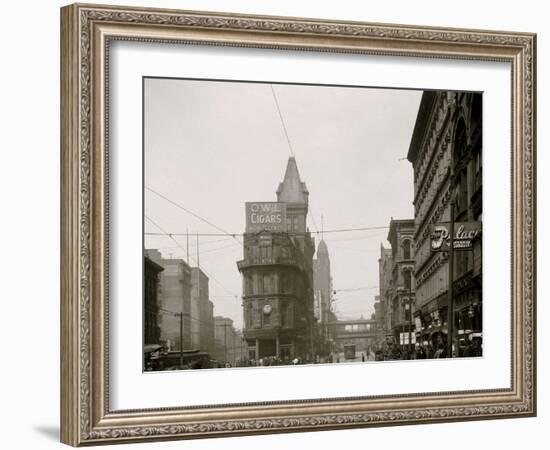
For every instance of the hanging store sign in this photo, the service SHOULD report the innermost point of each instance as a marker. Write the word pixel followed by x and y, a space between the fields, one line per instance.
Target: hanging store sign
pixel 464 235
pixel 265 216
pixel 417 324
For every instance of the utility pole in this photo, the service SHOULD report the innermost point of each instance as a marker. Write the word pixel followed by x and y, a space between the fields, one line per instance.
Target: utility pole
pixel 410 322
pixel 225 343
pixel 181 339
pixel 242 356
pixel 199 300
pixel 450 315
pixel 187 244
pixel 198 254
pixel 311 340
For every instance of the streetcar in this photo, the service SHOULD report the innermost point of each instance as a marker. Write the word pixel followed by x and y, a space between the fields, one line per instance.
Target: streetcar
pixel 349 351
pixel 188 359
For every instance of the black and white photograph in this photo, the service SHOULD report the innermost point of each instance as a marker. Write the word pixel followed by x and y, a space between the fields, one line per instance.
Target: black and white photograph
pixel 266 225
pixel 290 224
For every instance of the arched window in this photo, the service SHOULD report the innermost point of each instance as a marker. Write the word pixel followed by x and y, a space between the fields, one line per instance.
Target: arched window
pixel 406 249
pixel 476 117
pixel 460 142
pixel 461 177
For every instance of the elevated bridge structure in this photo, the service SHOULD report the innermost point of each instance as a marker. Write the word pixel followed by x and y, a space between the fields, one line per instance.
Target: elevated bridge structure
pixel 344 330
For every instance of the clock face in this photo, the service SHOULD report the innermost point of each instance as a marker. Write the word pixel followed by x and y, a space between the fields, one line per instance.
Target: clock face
pixel 267 309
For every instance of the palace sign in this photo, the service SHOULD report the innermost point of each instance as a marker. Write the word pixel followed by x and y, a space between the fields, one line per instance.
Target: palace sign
pixel 464 234
pixel 268 216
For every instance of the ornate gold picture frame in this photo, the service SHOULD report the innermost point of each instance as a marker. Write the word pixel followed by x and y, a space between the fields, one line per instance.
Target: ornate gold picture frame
pixel 87 31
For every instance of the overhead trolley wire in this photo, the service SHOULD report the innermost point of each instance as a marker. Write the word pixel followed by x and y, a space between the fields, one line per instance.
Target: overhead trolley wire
pixel 291 150
pixel 171 236
pixel 364 288
pixel 341 230
pixel 282 120
pixel 183 208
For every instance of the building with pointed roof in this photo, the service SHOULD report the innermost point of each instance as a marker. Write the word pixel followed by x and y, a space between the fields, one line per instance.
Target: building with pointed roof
pixel 322 285
pixel 292 189
pixel 277 271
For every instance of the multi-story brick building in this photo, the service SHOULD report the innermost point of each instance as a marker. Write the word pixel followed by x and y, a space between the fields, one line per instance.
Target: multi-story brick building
pixel 379 316
pixel 446 154
pixel 277 273
pixel 174 298
pixel 151 280
pixel 229 344
pixel 402 297
pixel 385 267
pixel 202 312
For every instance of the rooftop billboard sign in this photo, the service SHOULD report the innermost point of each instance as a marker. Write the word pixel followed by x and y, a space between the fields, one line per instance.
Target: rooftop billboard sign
pixel 265 216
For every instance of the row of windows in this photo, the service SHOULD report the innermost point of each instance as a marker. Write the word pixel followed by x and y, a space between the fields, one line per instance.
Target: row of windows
pixel 357 327
pixel 467 172
pixel 463 188
pixel 267 251
pixel 150 291
pixel 466 185
pixel 293 223
pixel 272 282
pixel 281 316
pixel 151 332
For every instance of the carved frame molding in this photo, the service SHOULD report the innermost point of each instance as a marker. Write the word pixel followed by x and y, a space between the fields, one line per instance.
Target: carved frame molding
pixel 86 31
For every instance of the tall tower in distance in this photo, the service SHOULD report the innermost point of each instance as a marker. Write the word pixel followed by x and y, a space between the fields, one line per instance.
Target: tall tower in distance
pixel 322 285
pixel 277 272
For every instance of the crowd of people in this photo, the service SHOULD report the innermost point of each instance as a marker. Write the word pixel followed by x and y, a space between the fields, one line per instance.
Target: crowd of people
pixel 276 361
pixel 426 350
pixel 466 348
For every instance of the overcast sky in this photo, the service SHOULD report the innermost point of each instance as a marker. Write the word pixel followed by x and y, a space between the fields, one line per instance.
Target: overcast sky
pixel 212 146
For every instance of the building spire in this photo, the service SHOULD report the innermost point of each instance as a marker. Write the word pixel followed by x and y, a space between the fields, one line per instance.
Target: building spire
pixel 292 189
